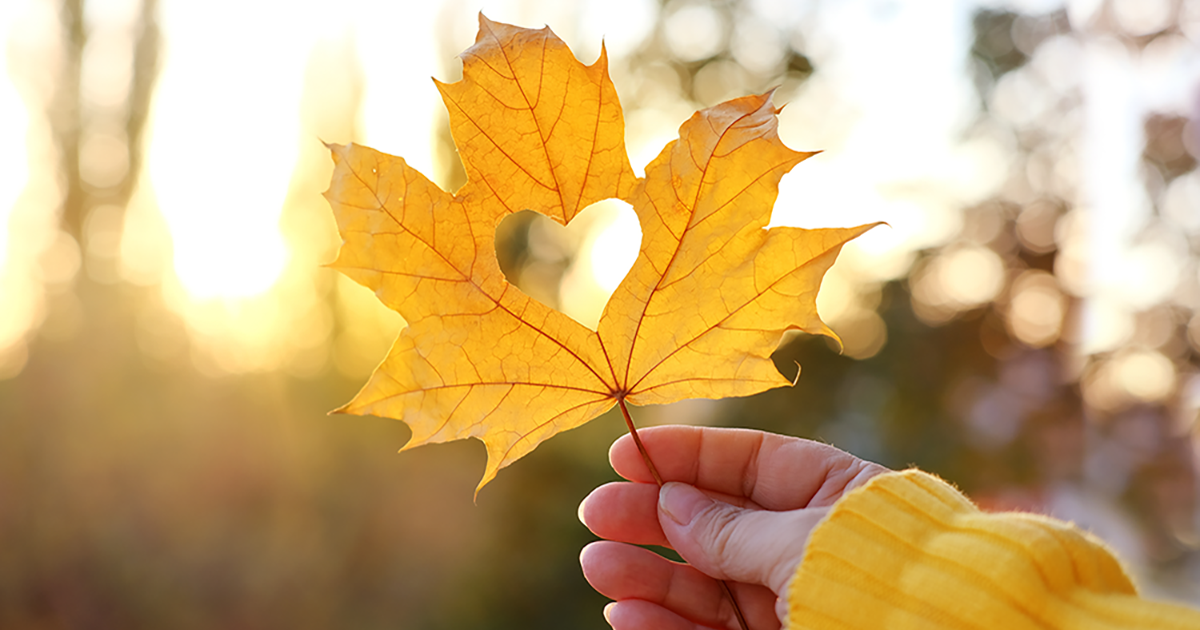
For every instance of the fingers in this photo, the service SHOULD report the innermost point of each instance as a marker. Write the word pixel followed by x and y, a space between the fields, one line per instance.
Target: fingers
pixel 728 542
pixel 627 512
pixel 773 471
pixel 676 595
pixel 635 614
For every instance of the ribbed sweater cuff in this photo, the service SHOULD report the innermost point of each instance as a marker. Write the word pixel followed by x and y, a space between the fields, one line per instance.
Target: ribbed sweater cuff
pixel 908 551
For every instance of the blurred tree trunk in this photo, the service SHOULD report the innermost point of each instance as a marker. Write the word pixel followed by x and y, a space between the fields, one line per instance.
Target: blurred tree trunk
pixel 66 117
pixel 70 116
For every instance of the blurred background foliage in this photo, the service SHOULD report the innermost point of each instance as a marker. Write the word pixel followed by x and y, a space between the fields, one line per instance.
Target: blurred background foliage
pixel 1029 327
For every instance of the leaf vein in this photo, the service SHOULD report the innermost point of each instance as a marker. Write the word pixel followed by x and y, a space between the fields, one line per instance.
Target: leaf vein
pixel 731 313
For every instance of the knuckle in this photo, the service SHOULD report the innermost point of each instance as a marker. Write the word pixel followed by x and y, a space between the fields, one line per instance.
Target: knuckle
pixel 722 534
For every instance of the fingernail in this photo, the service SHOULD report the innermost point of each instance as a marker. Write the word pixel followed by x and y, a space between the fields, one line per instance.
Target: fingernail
pixel 608 611
pixel 681 502
pixel 579 512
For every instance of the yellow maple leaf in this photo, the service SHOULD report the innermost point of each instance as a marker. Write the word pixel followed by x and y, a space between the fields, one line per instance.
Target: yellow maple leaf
pixel 705 304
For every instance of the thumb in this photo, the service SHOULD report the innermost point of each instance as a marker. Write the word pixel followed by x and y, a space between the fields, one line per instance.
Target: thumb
pixel 732 543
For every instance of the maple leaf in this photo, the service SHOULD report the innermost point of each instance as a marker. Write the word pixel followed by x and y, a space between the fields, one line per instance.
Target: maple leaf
pixel 705 304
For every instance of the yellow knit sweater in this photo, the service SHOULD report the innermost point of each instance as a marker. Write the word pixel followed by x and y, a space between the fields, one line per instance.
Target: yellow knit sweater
pixel 908 551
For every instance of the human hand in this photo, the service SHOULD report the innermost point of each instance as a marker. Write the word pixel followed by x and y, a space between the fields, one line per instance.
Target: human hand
pixel 738 505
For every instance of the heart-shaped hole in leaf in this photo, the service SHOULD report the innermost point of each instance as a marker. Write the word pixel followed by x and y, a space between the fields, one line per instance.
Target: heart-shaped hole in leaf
pixel 576 268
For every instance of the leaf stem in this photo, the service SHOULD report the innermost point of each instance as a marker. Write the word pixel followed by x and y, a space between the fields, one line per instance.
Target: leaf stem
pixel 737 610
pixel 637 440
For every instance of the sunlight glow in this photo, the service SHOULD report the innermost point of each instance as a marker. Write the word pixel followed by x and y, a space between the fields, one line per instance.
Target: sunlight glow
pixel 614 248
pixel 605 256
pixel 236 168
pixel 879 163
pixel 13 159
pixel 25 189
pixel 262 257
pixel 226 127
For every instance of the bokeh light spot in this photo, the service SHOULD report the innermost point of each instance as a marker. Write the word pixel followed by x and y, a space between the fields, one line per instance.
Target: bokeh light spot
pixel 971 275
pixel 694 32
pixel 863 334
pixel 103 159
pixel 60 261
pixel 1035 311
pixel 757 47
pixel 1144 374
pixel 1142 17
